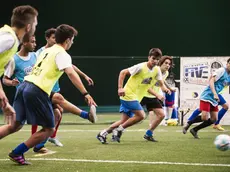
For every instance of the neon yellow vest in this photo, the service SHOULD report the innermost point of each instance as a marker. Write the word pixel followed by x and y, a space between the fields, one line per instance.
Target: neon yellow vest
pixel 156 87
pixel 45 72
pixel 8 54
pixel 137 85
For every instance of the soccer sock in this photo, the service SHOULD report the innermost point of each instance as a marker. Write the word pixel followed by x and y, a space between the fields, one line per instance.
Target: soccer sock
pixel 104 133
pixel 20 149
pixel 56 128
pixel 149 133
pixel 174 113
pixel 194 114
pixel 41 145
pixel 170 110
pixel 197 119
pixel 203 125
pixel 120 128
pixel 221 113
pixel 84 115
pixel 34 129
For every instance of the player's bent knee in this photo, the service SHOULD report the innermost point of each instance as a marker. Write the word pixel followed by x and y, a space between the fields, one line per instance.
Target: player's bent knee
pixel 225 106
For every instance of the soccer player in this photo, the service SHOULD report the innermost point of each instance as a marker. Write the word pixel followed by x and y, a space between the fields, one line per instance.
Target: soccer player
pixel 32 101
pixel 221 114
pixel 59 102
pixel 143 75
pixel 22 63
pixel 23 20
pixel 209 100
pixel 153 99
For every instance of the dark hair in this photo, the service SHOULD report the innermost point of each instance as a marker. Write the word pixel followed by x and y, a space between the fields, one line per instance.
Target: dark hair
pixel 64 32
pixel 49 32
pixel 26 38
pixel 228 60
pixel 156 52
pixel 163 58
pixel 23 15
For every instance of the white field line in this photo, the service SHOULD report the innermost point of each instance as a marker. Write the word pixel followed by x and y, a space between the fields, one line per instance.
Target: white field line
pixel 137 130
pixel 125 162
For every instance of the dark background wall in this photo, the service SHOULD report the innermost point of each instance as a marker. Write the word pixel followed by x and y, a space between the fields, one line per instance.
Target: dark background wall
pixel 127 28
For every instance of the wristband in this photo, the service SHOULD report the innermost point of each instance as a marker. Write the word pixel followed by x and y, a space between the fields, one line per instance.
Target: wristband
pixel 85 94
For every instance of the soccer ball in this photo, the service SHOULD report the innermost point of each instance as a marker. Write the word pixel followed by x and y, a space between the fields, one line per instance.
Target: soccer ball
pixel 222 142
pixel 172 122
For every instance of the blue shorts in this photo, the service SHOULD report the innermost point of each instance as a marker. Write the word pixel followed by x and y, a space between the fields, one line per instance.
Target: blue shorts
pixel 222 100
pixel 128 107
pixel 169 99
pixel 33 105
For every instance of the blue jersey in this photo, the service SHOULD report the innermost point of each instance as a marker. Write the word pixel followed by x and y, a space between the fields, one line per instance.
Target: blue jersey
pixel 222 80
pixel 23 67
pixel 56 87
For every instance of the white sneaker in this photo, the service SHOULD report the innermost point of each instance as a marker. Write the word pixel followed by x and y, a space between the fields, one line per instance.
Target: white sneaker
pixel 55 141
pixel 92 114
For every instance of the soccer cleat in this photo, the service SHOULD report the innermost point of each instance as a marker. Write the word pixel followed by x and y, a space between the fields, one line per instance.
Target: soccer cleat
pixel 117 135
pixel 55 141
pixel 42 150
pixel 186 127
pixel 194 133
pixel 20 159
pixel 149 138
pixel 101 138
pixel 92 114
pixel 218 127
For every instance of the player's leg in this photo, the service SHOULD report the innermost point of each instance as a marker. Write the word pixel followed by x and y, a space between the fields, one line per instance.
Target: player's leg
pixel 206 107
pixel 57 98
pixel 221 113
pixel 38 111
pixel 58 116
pixel 154 105
pixel 34 129
pixel 136 108
pixel 102 136
pixel 194 118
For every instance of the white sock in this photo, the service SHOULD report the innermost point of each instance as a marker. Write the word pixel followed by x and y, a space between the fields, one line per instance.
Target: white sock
pixel 104 133
pixel 120 128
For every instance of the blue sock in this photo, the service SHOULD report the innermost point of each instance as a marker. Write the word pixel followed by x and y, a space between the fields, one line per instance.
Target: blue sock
pixel 84 114
pixel 194 114
pixel 20 149
pixel 174 113
pixel 149 133
pixel 42 144
pixel 221 113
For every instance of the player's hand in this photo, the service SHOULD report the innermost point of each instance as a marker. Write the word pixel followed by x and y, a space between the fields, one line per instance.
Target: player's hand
pixel 89 80
pixel 9 114
pixel 90 100
pixel 168 91
pixel 173 89
pixel 121 92
pixel 15 82
pixel 3 99
pixel 160 97
pixel 216 97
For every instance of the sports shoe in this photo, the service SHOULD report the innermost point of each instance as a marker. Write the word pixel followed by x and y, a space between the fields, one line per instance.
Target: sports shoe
pixel 92 114
pixel 185 128
pixel 55 141
pixel 218 127
pixel 194 133
pixel 42 150
pixel 20 159
pixel 101 138
pixel 117 135
pixel 149 138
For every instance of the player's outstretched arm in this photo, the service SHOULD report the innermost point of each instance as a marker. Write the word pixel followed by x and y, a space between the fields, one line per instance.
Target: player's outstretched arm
pixel 3 98
pixel 87 78
pixel 76 80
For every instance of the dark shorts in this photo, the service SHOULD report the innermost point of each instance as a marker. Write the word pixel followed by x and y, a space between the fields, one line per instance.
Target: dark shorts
pixel 169 99
pixel 33 105
pixel 151 103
